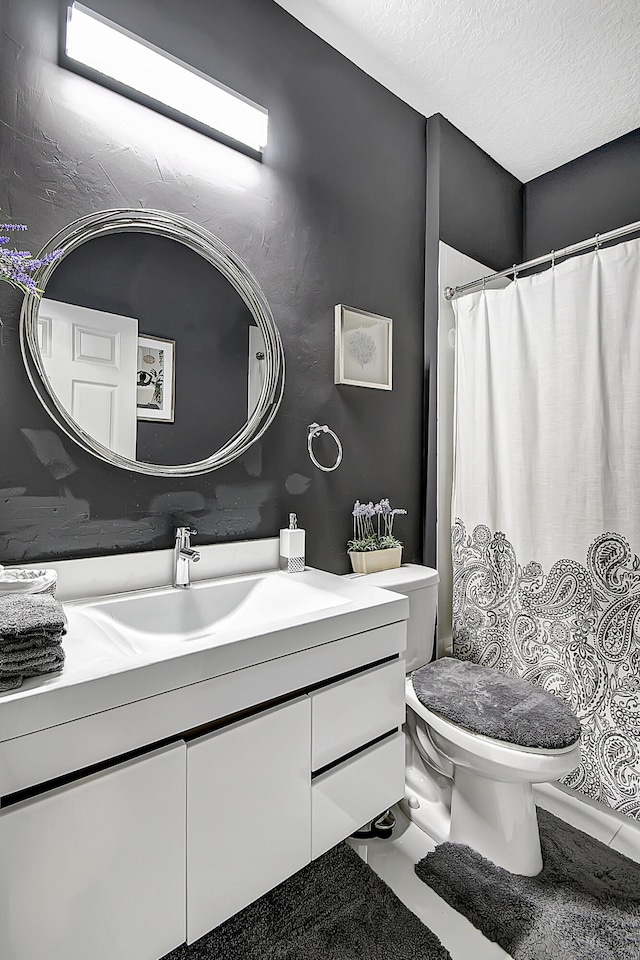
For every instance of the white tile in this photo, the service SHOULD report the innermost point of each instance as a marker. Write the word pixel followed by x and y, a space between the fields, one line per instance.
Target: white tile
pixel 394 860
pixel 627 840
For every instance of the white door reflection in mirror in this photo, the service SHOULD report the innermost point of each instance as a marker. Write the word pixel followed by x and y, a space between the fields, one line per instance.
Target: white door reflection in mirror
pixel 91 362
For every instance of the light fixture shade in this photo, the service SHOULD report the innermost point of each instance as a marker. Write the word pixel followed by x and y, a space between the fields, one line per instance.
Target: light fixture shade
pixel 112 55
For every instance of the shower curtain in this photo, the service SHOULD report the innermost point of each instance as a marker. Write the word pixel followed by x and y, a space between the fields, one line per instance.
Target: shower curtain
pixel 546 499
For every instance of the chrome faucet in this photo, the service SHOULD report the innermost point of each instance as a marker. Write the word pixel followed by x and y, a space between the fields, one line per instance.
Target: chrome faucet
pixel 183 553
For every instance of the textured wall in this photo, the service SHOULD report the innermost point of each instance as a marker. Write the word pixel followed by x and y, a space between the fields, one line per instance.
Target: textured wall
pixel 475 206
pixel 334 214
pixel 595 193
pixel 480 202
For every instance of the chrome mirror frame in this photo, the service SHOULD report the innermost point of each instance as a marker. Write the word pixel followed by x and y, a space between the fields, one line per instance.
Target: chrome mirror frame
pixel 217 253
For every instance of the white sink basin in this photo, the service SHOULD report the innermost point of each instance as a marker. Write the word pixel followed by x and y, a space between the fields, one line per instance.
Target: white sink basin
pixel 177 616
pixel 127 647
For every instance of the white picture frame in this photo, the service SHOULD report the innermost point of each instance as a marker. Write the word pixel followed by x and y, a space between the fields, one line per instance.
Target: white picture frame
pixel 155 385
pixel 363 348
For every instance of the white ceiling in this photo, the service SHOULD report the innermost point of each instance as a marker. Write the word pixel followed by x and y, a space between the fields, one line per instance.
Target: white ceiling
pixel 535 83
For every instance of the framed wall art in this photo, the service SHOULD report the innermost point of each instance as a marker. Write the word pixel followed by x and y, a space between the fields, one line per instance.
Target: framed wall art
pixel 363 350
pixel 155 386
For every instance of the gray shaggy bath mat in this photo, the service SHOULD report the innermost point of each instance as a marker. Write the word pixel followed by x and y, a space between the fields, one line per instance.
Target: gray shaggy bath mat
pixel 585 905
pixel 336 908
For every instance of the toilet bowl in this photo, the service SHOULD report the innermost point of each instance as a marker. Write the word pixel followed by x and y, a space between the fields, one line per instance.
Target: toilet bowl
pixel 492 807
pixel 461 785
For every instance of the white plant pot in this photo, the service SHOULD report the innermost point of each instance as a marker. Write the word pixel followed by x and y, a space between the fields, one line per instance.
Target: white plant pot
pixel 372 561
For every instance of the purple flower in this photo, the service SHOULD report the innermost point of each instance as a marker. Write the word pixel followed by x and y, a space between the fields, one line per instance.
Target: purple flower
pixel 366 536
pixel 18 266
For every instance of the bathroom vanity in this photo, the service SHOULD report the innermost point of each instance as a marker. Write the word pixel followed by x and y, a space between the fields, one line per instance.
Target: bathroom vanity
pixel 199 747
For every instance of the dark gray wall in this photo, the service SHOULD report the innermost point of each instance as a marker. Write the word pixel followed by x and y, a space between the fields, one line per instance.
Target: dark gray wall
pixel 335 213
pixel 480 201
pixel 595 193
pixel 475 206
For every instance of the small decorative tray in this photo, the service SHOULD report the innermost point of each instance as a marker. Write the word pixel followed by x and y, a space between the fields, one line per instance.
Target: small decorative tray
pixel 15 580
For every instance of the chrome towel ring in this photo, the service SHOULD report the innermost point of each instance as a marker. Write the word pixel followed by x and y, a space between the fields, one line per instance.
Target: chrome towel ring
pixel 314 431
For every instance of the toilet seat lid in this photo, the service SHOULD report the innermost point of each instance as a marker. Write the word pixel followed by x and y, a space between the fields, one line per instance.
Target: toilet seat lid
pixel 495 704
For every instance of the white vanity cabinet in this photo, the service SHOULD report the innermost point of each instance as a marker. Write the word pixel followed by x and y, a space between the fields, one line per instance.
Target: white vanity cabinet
pixel 352 782
pixel 260 803
pixel 129 827
pixel 248 812
pixel 96 868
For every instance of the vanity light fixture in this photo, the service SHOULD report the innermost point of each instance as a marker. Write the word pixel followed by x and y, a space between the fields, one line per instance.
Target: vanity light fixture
pixel 109 54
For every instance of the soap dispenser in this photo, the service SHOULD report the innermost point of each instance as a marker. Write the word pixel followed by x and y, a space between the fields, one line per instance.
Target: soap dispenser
pixel 292 547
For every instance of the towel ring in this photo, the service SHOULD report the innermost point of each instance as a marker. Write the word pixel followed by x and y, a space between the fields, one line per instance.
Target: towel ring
pixel 314 431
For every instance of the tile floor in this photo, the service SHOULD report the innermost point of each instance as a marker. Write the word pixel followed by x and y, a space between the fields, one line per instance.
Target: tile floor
pixel 394 860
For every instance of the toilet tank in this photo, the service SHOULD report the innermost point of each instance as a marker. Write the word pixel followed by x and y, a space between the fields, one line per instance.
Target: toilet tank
pixel 420 585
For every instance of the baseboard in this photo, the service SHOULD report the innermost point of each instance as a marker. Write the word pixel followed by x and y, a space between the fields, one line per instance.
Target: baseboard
pixel 592 817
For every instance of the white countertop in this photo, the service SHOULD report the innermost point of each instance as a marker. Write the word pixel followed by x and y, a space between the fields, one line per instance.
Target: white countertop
pixel 97 676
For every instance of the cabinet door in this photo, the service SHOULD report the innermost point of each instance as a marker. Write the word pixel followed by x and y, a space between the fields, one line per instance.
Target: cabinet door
pixel 248 812
pixel 96 868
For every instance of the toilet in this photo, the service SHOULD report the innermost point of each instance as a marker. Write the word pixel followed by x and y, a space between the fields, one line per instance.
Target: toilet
pixel 465 784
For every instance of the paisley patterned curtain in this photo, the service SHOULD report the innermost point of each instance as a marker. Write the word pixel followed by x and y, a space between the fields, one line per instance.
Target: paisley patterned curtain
pixel 546 499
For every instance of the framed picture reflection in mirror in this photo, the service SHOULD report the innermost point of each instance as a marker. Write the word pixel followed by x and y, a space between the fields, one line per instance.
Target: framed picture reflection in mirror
pixel 155 385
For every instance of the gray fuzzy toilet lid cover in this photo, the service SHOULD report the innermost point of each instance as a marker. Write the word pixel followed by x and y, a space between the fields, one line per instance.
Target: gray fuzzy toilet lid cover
pixel 495 704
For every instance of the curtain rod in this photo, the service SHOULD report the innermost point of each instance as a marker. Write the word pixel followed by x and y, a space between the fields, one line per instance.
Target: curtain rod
pixel 599 238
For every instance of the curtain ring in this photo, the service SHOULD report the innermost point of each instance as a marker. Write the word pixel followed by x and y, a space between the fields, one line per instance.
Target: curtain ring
pixel 515 271
pixel 553 259
pixel 597 242
pixel 484 283
pixel 314 431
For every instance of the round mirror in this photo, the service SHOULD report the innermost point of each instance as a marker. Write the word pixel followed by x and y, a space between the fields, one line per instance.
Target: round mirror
pixel 152 346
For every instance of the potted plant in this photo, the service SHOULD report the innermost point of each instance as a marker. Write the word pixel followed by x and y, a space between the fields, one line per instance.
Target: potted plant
pixel 374 546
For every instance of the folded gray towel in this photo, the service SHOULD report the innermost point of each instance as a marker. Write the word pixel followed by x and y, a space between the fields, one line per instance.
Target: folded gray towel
pixel 20 660
pixel 33 641
pixel 47 661
pixel 25 615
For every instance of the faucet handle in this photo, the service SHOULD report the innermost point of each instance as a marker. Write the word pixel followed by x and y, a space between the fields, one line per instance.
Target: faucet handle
pixel 183 535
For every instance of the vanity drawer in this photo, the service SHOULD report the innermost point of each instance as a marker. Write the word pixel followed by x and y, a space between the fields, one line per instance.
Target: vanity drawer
pixel 349 795
pixel 352 712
